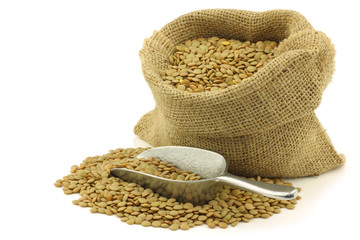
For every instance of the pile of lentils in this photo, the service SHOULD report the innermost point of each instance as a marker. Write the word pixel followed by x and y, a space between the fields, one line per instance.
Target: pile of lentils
pixel 211 64
pixel 133 204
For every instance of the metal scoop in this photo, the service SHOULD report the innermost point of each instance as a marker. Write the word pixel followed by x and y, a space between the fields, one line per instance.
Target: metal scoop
pixel 212 168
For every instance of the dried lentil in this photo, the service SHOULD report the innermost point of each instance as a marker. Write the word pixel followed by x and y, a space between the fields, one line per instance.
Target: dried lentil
pixel 211 64
pixel 135 205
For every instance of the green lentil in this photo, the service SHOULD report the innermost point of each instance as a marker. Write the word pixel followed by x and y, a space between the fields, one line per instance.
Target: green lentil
pixel 212 64
pixel 133 204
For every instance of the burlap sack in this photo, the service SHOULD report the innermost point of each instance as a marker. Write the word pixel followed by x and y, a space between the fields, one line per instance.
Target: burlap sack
pixel 265 126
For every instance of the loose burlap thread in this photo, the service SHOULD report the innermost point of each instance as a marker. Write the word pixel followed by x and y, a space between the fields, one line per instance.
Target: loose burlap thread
pixel 264 126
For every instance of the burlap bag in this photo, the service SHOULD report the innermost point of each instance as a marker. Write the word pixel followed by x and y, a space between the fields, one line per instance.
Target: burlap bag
pixel 265 126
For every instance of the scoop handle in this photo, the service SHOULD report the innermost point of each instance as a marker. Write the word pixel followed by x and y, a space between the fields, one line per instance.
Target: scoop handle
pixel 266 189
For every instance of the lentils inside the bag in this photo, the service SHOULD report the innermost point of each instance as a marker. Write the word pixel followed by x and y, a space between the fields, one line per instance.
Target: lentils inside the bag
pixel 210 64
pixel 133 204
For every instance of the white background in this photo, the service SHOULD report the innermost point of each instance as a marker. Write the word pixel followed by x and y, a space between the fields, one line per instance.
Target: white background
pixel 71 86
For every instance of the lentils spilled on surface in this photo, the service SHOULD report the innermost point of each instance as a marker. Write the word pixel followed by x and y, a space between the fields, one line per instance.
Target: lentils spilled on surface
pixel 210 64
pixel 109 195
